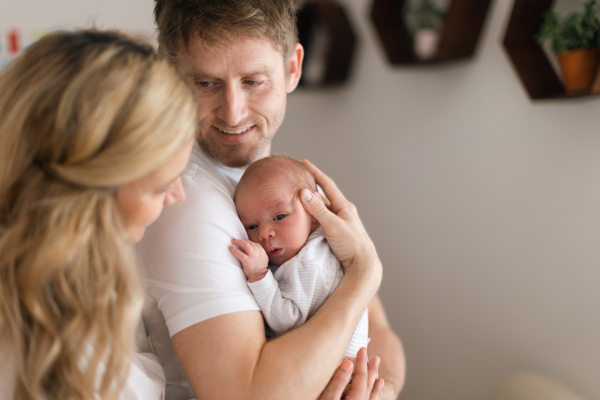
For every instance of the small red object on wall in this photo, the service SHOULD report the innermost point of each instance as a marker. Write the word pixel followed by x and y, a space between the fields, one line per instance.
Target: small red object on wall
pixel 13 42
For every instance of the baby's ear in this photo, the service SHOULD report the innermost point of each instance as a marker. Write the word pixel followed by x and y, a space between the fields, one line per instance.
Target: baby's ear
pixel 314 224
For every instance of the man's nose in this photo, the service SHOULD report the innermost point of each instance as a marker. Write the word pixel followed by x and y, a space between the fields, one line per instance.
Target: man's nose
pixel 233 108
pixel 176 193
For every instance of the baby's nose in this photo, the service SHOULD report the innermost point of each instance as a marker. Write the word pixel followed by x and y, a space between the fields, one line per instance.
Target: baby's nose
pixel 267 232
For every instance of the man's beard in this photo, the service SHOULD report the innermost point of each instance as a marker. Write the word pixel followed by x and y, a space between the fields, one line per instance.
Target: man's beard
pixel 235 155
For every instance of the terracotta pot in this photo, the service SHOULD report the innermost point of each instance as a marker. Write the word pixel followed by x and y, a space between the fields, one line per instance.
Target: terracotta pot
pixel 579 68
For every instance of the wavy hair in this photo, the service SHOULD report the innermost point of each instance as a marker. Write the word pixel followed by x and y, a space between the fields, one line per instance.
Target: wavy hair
pixel 81 113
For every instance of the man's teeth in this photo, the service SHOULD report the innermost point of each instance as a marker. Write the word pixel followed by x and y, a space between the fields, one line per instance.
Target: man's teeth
pixel 233 132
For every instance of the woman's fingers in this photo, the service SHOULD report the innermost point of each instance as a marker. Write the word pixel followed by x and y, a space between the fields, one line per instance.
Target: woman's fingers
pixel 329 187
pixel 358 388
pixel 338 382
pixel 377 389
pixel 373 371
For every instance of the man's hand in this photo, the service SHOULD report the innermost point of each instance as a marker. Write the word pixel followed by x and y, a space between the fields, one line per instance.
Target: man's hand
pixel 253 257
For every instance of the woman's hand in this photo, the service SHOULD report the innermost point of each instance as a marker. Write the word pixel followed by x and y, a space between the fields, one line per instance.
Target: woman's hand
pixel 343 229
pixel 365 384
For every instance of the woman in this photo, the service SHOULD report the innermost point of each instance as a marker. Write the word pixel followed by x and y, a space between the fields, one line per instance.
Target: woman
pixel 95 131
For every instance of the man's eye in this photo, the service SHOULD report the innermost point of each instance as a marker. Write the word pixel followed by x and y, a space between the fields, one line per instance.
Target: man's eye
pixel 253 83
pixel 280 217
pixel 252 227
pixel 205 84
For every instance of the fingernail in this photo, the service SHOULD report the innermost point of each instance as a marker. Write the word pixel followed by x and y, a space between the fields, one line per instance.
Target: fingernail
pixel 381 383
pixel 347 365
pixel 306 195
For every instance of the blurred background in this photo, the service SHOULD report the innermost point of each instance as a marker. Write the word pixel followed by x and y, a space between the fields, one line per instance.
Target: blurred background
pixel 484 205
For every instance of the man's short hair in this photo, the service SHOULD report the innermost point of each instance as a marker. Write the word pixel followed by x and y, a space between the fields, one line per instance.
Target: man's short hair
pixel 217 20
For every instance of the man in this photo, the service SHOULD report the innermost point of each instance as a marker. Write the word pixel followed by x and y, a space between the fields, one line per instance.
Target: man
pixel 241 58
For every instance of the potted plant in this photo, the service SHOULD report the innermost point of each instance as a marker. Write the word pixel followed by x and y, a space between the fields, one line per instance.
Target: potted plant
pixel 575 40
pixel 426 19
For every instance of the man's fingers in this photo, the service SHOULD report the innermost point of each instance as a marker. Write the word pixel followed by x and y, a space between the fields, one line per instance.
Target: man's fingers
pixel 314 206
pixel 329 187
pixel 325 200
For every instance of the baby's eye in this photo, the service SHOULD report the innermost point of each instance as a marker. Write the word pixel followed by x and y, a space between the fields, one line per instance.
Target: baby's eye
pixel 280 217
pixel 252 227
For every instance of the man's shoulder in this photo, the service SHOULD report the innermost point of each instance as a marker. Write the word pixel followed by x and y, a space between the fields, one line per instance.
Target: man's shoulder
pixel 201 177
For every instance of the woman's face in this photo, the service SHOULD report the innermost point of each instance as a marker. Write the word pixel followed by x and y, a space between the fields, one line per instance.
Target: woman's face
pixel 140 202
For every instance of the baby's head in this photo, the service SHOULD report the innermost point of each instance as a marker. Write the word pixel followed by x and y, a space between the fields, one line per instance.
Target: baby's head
pixel 268 203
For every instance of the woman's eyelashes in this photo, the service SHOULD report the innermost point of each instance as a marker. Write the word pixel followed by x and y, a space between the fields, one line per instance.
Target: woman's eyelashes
pixel 163 190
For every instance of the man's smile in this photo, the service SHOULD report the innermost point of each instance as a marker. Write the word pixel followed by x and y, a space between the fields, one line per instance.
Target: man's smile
pixel 231 136
pixel 233 132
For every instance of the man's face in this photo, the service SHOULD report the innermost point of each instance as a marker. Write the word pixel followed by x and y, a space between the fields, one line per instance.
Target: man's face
pixel 241 87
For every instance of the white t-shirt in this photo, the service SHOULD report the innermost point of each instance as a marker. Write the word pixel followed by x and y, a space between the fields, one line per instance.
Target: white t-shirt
pixel 191 275
pixel 290 294
pixel 146 380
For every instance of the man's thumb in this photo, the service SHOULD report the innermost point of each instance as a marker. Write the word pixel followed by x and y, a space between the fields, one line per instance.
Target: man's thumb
pixel 314 206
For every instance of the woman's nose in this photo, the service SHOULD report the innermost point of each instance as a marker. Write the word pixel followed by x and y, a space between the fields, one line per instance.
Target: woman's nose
pixel 176 193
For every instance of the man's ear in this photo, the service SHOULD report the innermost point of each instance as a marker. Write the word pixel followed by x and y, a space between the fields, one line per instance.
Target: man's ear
pixel 295 67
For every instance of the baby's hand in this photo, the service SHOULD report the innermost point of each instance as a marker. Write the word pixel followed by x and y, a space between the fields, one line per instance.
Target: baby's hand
pixel 254 259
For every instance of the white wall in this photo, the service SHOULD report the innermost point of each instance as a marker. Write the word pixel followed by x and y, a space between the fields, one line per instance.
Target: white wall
pixel 484 206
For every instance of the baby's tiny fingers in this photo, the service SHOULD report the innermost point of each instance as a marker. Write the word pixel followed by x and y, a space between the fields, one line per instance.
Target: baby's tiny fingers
pixel 245 245
pixel 237 253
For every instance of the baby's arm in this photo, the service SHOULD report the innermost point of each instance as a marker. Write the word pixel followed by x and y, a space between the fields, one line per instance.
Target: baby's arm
pixel 286 304
pixel 254 259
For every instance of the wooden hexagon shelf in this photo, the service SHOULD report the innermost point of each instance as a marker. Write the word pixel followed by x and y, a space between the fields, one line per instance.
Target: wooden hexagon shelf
pixel 462 28
pixel 527 56
pixel 329 42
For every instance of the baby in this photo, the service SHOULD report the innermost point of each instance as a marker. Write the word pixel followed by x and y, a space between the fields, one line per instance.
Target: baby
pixel 291 269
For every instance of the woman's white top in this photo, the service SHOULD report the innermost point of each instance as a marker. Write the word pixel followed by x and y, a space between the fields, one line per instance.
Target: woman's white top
pixel 146 380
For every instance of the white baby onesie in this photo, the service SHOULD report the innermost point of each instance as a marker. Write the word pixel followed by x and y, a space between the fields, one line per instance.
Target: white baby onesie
pixel 291 293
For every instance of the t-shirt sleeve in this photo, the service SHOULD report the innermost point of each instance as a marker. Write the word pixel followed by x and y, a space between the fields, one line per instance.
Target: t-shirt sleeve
pixel 189 270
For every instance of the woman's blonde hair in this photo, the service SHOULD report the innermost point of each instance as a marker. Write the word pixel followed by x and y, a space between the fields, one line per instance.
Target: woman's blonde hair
pixel 81 113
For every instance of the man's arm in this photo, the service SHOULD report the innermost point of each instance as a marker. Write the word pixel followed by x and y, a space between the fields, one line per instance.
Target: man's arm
pixel 385 344
pixel 226 357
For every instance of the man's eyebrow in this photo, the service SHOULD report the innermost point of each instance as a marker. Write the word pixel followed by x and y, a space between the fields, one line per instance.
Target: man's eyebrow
pixel 195 74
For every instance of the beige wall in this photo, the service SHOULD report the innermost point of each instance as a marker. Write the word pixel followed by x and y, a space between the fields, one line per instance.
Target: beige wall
pixel 485 207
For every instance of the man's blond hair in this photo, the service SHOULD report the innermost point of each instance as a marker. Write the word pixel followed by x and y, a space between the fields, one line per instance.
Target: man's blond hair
pixel 215 21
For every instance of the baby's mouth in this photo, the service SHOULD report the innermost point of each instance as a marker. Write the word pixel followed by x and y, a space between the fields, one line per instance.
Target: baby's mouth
pixel 276 251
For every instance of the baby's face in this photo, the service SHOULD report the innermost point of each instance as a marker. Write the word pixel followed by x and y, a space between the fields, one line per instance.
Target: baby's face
pixel 274 217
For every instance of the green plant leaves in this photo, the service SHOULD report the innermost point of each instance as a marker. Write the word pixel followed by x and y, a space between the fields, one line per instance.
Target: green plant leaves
pixel 577 30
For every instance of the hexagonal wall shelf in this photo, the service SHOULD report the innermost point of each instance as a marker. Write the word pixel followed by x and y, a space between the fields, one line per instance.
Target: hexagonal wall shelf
pixel 462 28
pixel 329 43
pixel 527 56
